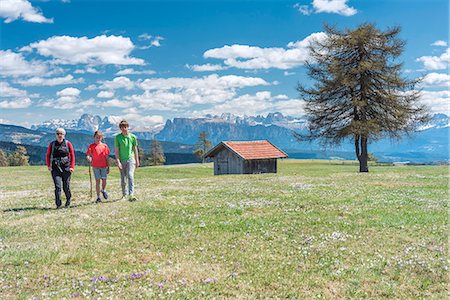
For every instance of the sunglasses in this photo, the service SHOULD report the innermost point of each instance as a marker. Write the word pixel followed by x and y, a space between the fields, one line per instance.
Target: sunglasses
pixel 60 133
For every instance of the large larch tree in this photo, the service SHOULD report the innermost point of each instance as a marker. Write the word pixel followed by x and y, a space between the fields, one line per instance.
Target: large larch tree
pixel 358 90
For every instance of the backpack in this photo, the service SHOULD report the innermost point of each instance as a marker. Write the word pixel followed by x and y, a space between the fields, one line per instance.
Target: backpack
pixel 65 144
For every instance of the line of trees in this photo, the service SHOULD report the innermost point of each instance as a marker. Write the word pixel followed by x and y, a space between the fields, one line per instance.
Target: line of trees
pixel 17 158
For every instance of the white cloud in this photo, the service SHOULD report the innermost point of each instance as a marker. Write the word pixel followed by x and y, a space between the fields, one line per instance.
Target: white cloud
pixel 245 104
pixel 121 82
pixel 144 37
pixel 82 50
pixel 334 6
pixel 326 6
pixel 116 103
pixel 291 107
pixel 154 40
pixel 68 103
pixel 68 98
pixel 12 10
pixel 437 101
pixel 248 57
pixel 87 70
pixel 178 100
pixel 257 104
pixel 208 82
pixel 13 98
pixel 304 9
pixel 206 68
pixel 131 71
pixel 13 64
pixel 105 94
pixel 68 92
pixel 440 43
pixel 153 119
pixel 281 97
pixel 39 81
pixel 436 62
pixel 286 73
pixel 139 120
pixel 180 93
pixel 214 93
pixel 436 79
pixel 91 87
pixel 17 103
pixel 8 91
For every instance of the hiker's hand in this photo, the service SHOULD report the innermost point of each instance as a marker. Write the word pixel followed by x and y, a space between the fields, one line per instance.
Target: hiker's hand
pixel 71 170
pixel 49 168
pixel 89 158
pixel 107 170
pixel 137 164
pixel 119 165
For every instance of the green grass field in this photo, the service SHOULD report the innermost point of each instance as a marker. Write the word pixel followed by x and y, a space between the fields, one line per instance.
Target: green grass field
pixel 315 230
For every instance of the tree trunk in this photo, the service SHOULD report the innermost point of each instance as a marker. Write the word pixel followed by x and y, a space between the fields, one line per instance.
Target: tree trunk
pixel 363 158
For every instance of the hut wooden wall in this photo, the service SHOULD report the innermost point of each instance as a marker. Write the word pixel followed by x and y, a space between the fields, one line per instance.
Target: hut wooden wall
pixel 227 162
pixel 260 166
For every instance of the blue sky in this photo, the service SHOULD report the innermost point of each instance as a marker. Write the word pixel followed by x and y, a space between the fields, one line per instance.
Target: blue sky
pixel 149 61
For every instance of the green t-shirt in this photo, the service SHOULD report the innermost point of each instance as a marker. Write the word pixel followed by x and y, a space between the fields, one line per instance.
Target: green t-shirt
pixel 126 145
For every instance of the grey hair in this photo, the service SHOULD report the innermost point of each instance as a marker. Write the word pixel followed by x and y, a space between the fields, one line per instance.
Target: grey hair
pixel 60 130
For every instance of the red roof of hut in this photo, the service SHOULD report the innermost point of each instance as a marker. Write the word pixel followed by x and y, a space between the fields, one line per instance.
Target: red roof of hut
pixel 249 149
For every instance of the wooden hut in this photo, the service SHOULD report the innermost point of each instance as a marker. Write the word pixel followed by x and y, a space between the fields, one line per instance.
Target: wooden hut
pixel 245 157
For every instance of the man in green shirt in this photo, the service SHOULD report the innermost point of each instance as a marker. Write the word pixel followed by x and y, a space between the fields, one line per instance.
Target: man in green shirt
pixel 127 156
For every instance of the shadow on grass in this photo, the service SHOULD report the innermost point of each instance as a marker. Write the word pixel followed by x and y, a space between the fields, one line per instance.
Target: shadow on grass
pixel 31 208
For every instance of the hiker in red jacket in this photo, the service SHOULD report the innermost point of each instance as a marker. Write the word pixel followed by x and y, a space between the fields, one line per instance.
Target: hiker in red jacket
pixel 61 162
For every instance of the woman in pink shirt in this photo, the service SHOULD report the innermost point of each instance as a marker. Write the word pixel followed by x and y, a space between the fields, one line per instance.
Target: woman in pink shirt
pixel 97 154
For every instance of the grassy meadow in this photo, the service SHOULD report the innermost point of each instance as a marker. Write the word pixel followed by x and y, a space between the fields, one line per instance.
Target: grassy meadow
pixel 315 230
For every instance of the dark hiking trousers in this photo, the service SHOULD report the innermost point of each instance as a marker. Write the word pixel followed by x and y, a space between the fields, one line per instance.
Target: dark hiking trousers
pixel 61 179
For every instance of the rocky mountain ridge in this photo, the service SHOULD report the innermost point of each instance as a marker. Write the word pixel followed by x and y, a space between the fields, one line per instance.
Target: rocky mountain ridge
pixel 430 143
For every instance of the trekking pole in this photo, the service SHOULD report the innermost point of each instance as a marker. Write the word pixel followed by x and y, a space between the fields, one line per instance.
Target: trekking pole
pixel 90 178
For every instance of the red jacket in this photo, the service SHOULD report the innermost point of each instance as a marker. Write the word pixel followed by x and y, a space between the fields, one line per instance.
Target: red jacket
pixel 71 154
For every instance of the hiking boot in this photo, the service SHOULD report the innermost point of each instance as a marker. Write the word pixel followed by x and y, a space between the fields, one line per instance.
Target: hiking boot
pixel 105 194
pixel 132 198
pixel 67 203
pixel 58 206
pixel 124 197
pixel 98 200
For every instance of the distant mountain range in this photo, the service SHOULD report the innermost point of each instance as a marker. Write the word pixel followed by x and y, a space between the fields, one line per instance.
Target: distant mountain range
pixel 79 139
pixel 36 143
pixel 429 144
pixel 108 125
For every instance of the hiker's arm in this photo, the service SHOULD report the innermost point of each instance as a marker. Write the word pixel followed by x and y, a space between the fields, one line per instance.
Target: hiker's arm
pixel 89 155
pixel 116 153
pixel 47 157
pixel 107 159
pixel 136 156
pixel 72 157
